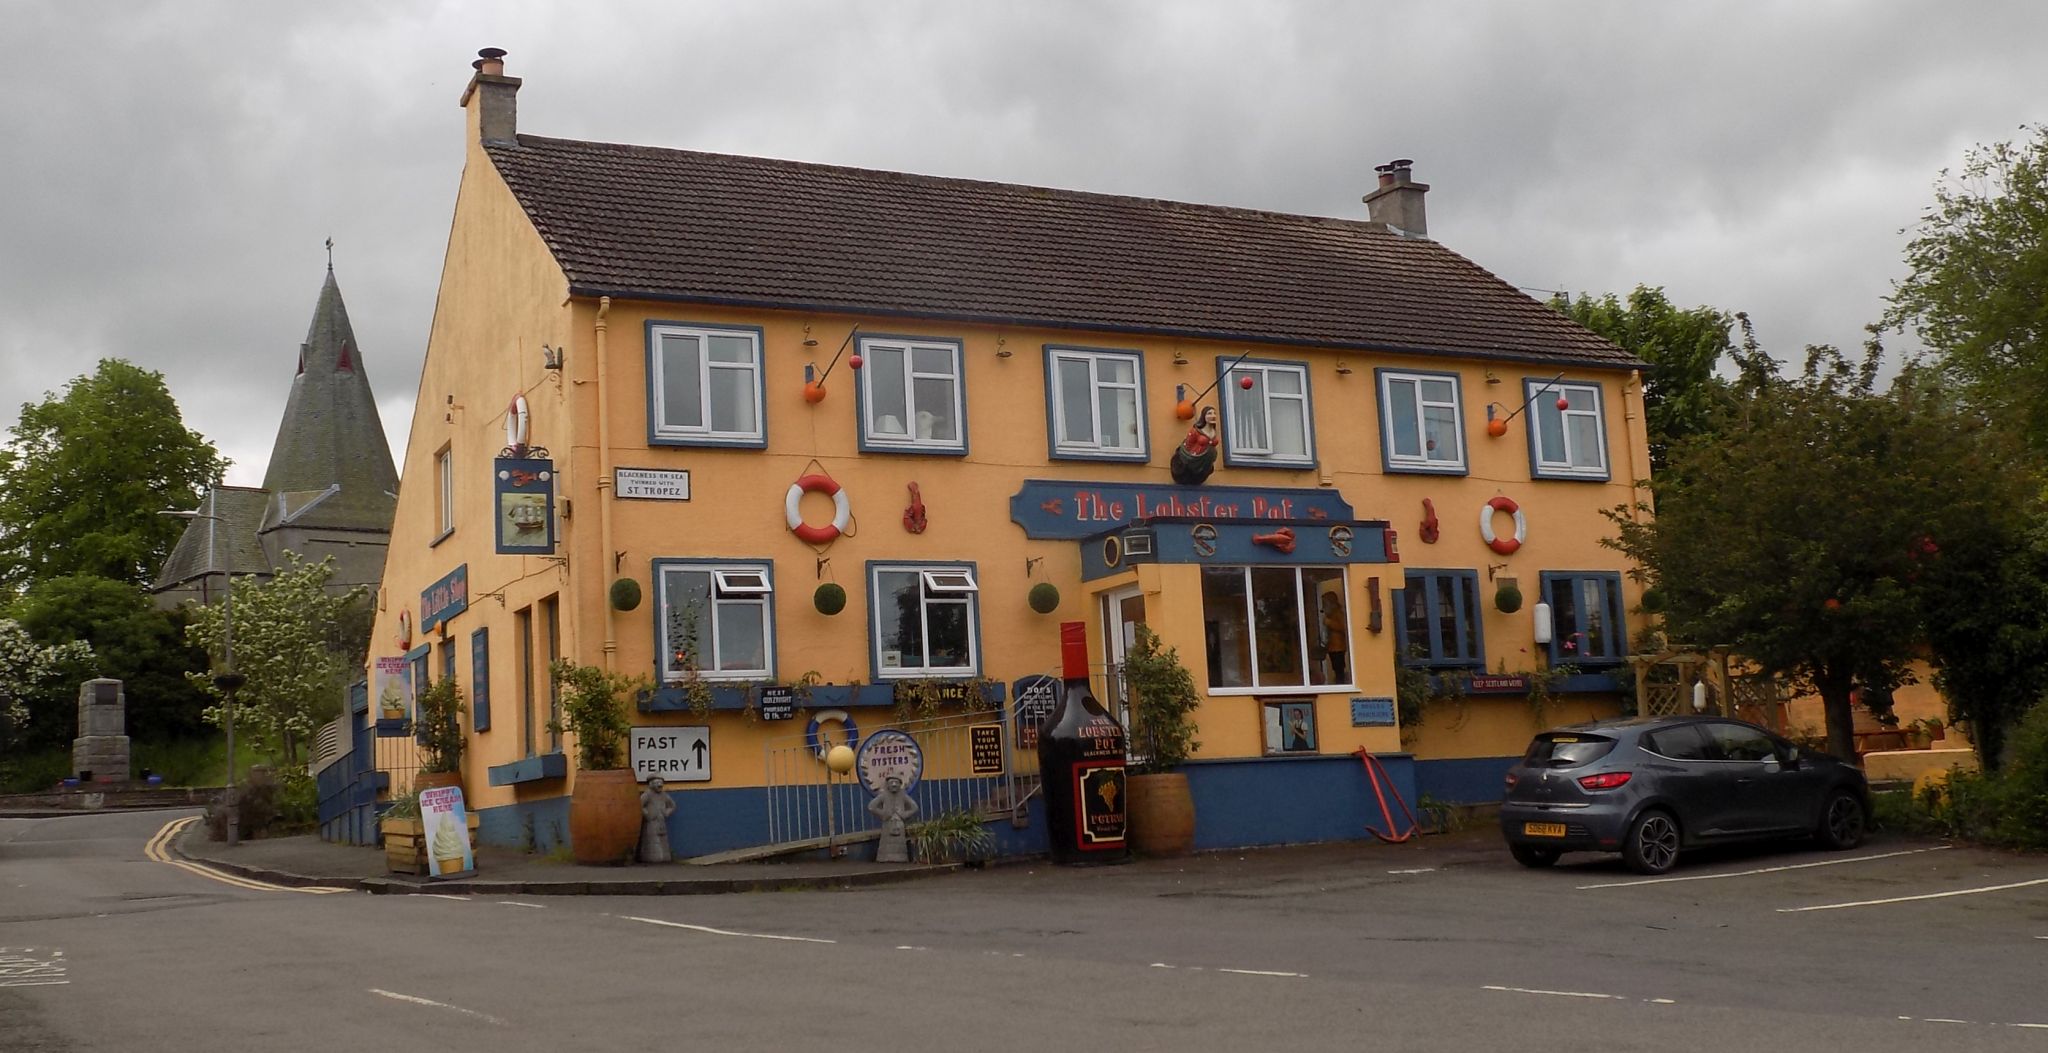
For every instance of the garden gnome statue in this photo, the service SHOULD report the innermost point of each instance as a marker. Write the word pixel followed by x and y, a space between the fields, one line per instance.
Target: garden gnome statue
pixel 893 807
pixel 655 808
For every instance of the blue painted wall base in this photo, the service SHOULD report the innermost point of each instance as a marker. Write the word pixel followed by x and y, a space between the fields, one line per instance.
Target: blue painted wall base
pixel 1466 780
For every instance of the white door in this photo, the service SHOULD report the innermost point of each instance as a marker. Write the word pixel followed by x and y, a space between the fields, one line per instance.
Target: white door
pixel 1123 610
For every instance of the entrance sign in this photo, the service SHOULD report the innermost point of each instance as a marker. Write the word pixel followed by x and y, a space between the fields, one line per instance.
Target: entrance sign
pixel 889 752
pixel 446 829
pixel 672 754
pixel 651 484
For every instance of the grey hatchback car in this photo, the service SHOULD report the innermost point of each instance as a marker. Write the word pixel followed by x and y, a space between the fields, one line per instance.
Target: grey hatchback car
pixel 1648 787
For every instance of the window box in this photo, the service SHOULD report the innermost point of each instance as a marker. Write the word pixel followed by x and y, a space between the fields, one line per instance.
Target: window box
pixel 924 620
pixel 721 614
pixel 911 395
pixel 1569 443
pixel 1439 627
pixel 538 768
pixel 1095 404
pixel 704 386
pixel 1271 423
pixel 1588 628
pixel 1269 629
pixel 1422 422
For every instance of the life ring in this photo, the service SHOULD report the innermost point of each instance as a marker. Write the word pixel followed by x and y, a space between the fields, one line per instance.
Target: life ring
pixel 516 421
pixel 404 630
pixel 816 741
pixel 842 513
pixel 1506 546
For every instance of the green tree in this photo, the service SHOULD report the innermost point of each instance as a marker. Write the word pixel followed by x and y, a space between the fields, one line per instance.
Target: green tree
pixel 29 673
pixel 83 475
pixel 1823 508
pixel 1681 395
pixel 288 646
pixel 133 642
pixel 1978 291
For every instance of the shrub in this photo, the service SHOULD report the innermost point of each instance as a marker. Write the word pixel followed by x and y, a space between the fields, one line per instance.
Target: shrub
pixel 257 796
pixel 1163 701
pixel 951 837
pixel 594 710
pixel 439 726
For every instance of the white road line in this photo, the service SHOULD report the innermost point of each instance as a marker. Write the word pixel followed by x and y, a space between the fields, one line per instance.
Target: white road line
pixel 443 895
pixel 1763 870
pixel 1911 899
pixel 726 932
pixel 416 1000
pixel 1560 994
pixel 1417 870
pixel 2043 1027
pixel 516 903
pixel 1261 972
pixel 1945 1020
pixel 32 983
pixel 907 947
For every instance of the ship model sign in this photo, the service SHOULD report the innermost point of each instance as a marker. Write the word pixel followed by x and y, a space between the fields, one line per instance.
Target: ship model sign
pixel 523 488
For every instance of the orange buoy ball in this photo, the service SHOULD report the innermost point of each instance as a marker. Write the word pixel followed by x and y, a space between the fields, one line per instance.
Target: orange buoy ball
pixel 1496 427
pixel 1245 383
pixel 814 392
pixel 1184 410
pixel 856 361
pixel 1832 604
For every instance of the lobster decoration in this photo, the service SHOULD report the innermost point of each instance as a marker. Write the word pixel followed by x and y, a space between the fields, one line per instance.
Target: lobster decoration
pixel 1282 539
pixel 1429 523
pixel 913 517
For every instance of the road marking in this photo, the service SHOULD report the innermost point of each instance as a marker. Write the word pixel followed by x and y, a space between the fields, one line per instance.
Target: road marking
pixel 1261 972
pixel 157 850
pixel 516 903
pixel 19 969
pixel 1911 899
pixel 907 947
pixel 443 895
pixel 1763 870
pixel 1560 994
pixel 2041 1026
pixel 1417 870
pixel 726 932
pixel 1945 1020
pixel 416 1000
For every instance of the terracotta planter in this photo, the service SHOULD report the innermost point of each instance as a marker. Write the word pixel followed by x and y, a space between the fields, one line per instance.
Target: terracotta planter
pixel 604 818
pixel 1162 814
pixel 432 780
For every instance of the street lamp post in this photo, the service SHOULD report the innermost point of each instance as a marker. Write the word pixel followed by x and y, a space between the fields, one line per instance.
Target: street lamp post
pixel 227 680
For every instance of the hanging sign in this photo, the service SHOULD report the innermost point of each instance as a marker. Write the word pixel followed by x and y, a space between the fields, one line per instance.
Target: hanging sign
pixel 446 829
pixel 445 599
pixel 1069 509
pixel 651 484
pixel 524 492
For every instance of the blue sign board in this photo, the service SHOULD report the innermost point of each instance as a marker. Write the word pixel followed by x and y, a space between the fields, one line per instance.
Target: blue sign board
pixel 1074 509
pixel 1372 712
pixel 445 599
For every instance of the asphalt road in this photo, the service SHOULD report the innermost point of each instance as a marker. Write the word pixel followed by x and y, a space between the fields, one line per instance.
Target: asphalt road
pixel 1450 946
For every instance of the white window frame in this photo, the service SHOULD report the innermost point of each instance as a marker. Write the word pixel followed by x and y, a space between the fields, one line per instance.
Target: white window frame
pixel 1422 461
pixel 1097 390
pixel 1307 618
pixel 870 436
pixel 444 470
pixel 1235 445
pixel 1585 400
pixel 657 367
pixel 933 591
pixel 745 595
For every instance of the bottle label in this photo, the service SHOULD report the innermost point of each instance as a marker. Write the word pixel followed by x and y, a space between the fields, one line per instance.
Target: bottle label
pixel 1099 804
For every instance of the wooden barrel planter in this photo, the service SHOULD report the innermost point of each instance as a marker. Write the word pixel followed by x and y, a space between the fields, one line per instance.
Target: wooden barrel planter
pixel 604 818
pixel 1162 814
pixel 433 780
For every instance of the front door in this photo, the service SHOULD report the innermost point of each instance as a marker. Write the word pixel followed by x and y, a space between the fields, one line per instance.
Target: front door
pixel 1123 610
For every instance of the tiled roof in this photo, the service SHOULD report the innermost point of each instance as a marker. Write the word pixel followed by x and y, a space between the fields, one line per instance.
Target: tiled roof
pixel 330 433
pixel 642 222
pixel 223 543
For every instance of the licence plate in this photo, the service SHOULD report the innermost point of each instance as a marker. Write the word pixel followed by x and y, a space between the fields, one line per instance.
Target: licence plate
pixel 1543 829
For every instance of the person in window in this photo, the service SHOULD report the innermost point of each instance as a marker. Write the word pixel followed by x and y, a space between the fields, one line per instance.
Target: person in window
pixel 1335 643
pixel 1196 457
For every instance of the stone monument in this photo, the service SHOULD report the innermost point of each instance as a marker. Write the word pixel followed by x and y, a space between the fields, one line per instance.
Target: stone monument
pixel 101 747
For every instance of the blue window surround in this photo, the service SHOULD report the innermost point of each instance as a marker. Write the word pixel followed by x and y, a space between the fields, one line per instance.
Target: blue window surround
pixel 480 680
pixel 766 566
pixel 1437 657
pixel 1532 387
pixel 875 674
pixel 860 398
pixel 760 385
pixel 416 668
pixel 448 659
pixel 1387 463
pixel 1052 429
pixel 1229 390
pixel 1615 614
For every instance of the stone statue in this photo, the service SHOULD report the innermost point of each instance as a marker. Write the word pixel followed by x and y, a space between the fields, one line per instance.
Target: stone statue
pixel 1196 457
pixel 893 807
pixel 655 808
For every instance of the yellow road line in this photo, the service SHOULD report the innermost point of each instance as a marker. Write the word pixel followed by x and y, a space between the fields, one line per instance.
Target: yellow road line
pixel 157 850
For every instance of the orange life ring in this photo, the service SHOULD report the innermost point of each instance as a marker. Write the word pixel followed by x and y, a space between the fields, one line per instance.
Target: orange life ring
pixel 842 513
pixel 1506 546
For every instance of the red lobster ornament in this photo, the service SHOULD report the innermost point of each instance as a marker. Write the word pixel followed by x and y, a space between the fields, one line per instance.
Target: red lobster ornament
pixel 913 517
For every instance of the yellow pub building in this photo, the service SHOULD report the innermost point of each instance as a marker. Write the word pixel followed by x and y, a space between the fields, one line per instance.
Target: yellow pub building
pixel 730 422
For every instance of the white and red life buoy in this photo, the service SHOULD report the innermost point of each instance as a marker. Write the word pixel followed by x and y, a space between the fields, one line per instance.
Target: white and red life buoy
pixel 1506 546
pixel 404 636
pixel 842 512
pixel 516 421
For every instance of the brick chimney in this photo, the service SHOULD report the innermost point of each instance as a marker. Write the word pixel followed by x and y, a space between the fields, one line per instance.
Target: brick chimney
pixel 496 113
pixel 1397 201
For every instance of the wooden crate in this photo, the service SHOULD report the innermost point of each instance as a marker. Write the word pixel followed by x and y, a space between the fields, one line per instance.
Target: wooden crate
pixel 405 844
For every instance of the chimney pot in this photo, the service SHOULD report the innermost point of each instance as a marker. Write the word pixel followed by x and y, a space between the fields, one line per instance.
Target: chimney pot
pixel 491 62
pixel 1397 201
pixel 495 96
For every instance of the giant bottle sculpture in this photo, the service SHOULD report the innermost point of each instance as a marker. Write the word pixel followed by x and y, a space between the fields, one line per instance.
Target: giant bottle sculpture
pixel 1081 759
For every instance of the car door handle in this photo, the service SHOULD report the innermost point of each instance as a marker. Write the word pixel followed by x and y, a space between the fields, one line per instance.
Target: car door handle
pixel 1744 781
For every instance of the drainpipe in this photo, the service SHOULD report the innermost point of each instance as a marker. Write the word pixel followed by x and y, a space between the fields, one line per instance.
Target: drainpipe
pixel 1638 429
pixel 604 478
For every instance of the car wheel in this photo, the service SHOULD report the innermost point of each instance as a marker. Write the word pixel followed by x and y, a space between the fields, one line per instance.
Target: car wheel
pixel 1842 822
pixel 1533 856
pixel 1652 843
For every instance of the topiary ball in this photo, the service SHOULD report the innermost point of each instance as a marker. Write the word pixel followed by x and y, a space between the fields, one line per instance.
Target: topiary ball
pixel 1653 600
pixel 1045 597
pixel 1508 598
pixel 830 598
pixel 625 594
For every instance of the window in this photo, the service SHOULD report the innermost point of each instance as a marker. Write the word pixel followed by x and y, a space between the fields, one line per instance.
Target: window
pixel 704 386
pixel 1096 403
pixel 910 396
pixel 1737 743
pixel 1440 619
pixel 480 680
pixel 1422 427
pixel 1585 617
pixel 551 625
pixel 1683 742
pixel 1268 628
pixel 444 480
pixel 1267 422
pixel 1568 443
pixel 522 634
pixel 924 620
pixel 718 618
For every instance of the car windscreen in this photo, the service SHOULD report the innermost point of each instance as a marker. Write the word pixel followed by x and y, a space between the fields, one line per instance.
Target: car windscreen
pixel 1566 749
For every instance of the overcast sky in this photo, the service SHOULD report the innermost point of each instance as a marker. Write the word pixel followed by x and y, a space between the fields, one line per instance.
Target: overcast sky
pixel 171 169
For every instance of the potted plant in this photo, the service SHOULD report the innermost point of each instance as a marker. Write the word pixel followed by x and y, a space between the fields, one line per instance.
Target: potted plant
pixel 1162 699
pixel 439 734
pixel 1936 730
pixel 957 836
pixel 604 800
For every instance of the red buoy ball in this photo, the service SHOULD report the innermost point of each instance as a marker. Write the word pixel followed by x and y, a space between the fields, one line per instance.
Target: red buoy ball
pixel 856 361
pixel 1564 403
pixel 1245 383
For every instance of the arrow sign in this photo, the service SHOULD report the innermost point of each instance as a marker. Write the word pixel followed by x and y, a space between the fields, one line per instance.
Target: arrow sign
pixel 672 753
pixel 701 747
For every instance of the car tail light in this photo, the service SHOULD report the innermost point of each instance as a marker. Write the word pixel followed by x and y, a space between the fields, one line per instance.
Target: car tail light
pixel 1606 780
pixel 1512 780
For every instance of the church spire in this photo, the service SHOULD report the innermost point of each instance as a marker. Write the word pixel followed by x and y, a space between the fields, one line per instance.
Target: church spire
pixel 331 433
